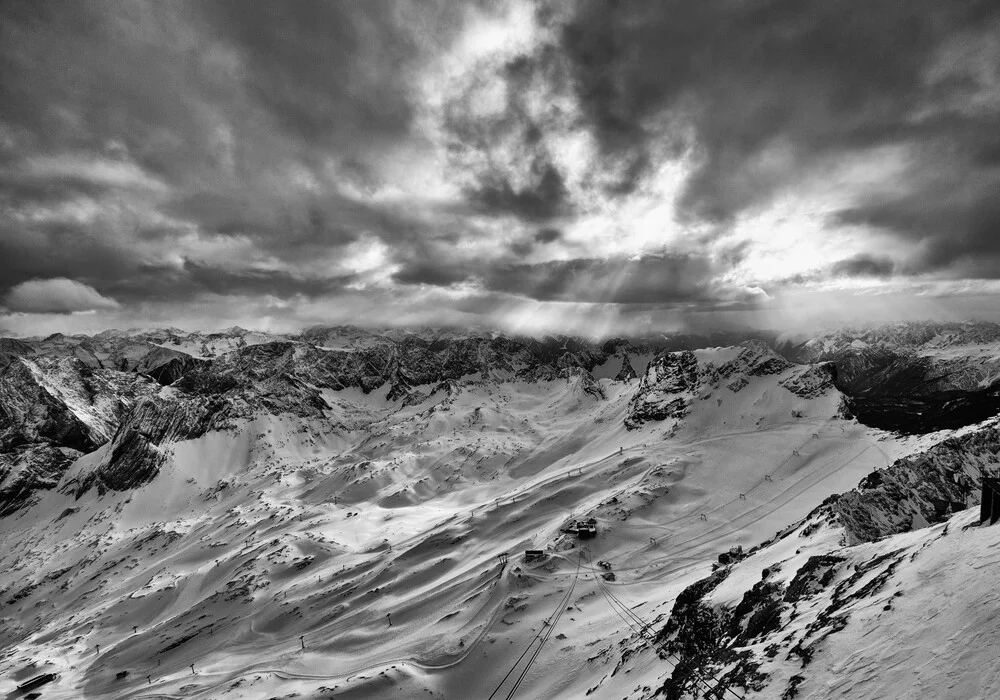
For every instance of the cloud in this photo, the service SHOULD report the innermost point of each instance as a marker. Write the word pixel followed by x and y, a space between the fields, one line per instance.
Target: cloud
pixel 500 157
pixel 547 235
pixel 660 279
pixel 427 272
pixel 769 87
pixel 58 296
pixel 653 280
pixel 863 265
pixel 950 217
pixel 500 123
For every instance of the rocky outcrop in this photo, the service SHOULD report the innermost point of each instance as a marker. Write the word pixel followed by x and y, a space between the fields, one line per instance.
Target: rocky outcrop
pixel 165 369
pixel 585 381
pixel 135 461
pixel 919 490
pixel 136 454
pixel 12 347
pixel 29 470
pixel 52 410
pixel 671 380
pixel 703 639
pixel 811 382
pixel 664 390
pixel 627 372
pixel 756 360
pixel 30 413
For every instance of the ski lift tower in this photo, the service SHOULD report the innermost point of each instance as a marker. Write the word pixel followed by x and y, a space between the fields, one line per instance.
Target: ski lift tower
pixel 989 509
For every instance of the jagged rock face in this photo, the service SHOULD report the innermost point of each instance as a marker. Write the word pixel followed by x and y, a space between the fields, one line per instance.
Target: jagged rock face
pixel 919 490
pixel 757 360
pixel 29 413
pixel 911 415
pixel 703 637
pixel 28 470
pixel 403 365
pixel 78 393
pixel 167 366
pixel 812 382
pixel 52 410
pixel 671 381
pixel 134 462
pixel 12 347
pixel 590 386
pixel 60 391
pixel 136 456
pixel 729 645
pixel 400 389
pixel 104 351
pixel 627 372
pixel 664 390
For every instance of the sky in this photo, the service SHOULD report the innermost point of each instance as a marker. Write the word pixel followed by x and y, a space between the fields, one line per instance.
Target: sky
pixel 587 167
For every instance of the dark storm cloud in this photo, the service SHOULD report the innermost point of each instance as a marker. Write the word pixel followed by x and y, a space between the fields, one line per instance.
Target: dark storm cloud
pixel 667 279
pixel 158 151
pixel 543 199
pixel 285 223
pixel 812 77
pixel 160 76
pixel 652 280
pixel 435 273
pixel 773 88
pixel 55 250
pixel 862 265
pixel 952 219
pixel 501 151
pixel 127 127
pixel 190 280
pixel 329 72
pixel 548 235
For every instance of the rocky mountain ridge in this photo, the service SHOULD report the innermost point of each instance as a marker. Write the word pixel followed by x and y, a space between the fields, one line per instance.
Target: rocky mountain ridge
pixel 64 396
pixel 674 380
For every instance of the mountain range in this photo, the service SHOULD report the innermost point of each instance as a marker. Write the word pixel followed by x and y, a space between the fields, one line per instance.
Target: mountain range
pixel 265 506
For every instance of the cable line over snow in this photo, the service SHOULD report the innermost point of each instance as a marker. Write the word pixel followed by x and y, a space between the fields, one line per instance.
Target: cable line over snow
pixel 541 637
